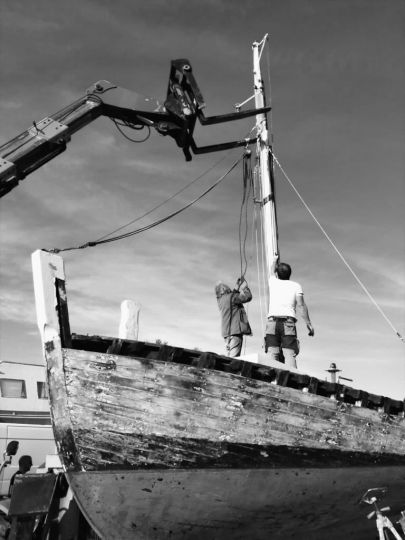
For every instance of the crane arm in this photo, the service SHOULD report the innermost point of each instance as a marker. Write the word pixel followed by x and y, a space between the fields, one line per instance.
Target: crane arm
pixel 176 117
pixel 48 138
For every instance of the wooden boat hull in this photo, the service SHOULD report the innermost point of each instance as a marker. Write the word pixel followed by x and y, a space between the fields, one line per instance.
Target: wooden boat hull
pixel 263 461
pixel 131 412
pixel 161 442
pixel 258 504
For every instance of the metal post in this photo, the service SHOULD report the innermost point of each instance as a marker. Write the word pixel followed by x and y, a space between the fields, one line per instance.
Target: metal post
pixel 333 370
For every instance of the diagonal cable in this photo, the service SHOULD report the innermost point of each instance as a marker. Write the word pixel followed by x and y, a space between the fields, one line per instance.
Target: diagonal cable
pixel 371 298
pixel 155 223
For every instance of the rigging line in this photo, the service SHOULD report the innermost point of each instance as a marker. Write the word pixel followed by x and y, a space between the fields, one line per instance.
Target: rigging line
pixel 262 44
pixel 264 276
pixel 243 215
pixel 270 113
pixel 165 201
pixel 249 180
pixel 252 243
pixel 258 265
pixel 240 213
pixel 154 224
pixel 256 232
pixel 173 214
pixel 251 256
pixel 371 298
pixel 259 224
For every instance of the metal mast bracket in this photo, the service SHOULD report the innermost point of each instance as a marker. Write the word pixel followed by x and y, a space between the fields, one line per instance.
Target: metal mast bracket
pixel 185 101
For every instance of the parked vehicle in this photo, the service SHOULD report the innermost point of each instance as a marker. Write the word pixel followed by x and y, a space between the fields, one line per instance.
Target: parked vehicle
pixel 24 416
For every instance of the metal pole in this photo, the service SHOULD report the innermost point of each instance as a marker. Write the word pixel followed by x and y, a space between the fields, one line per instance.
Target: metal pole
pixel 265 163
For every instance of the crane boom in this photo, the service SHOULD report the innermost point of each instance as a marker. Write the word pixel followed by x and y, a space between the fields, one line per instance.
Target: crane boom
pixel 176 117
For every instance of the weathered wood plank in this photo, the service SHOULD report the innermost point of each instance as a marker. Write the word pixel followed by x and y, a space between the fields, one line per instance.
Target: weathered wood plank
pixel 167 413
pixel 156 380
pixel 289 412
pixel 148 400
pixel 275 372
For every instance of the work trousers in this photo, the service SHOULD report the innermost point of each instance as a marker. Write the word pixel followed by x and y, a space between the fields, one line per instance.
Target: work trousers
pixel 281 334
pixel 233 345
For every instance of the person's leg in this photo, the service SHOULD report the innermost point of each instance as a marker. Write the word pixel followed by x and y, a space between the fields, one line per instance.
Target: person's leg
pixel 272 340
pixel 227 341
pixel 274 353
pixel 234 345
pixel 289 343
pixel 290 358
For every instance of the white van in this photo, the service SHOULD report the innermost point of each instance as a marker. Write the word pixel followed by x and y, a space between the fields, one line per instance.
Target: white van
pixel 24 416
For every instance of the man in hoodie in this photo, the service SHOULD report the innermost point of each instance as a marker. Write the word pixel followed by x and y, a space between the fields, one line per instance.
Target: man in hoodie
pixel 234 322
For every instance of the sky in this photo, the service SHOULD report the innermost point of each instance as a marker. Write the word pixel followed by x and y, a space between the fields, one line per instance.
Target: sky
pixel 334 70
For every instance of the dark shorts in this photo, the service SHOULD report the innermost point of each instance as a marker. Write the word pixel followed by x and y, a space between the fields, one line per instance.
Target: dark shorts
pixel 281 332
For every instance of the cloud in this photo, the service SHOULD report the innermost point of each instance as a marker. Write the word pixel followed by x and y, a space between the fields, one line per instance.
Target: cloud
pixel 10 105
pixel 336 114
pixel 17 306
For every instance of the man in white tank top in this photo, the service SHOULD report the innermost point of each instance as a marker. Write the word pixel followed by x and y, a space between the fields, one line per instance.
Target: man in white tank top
pixel 285 297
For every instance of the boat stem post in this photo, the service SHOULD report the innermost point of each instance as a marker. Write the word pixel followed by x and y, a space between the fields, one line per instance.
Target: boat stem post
pixel 50 295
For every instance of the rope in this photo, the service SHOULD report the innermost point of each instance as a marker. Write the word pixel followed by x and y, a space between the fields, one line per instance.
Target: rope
pixel 259 265
pixel 254 233
pixel 269 93
pixel 243 215
pixel 371 298
pixel 165 201
pixel 261 256
pixel 155 223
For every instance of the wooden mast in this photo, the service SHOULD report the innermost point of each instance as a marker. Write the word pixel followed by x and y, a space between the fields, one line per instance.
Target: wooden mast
pixel 265 164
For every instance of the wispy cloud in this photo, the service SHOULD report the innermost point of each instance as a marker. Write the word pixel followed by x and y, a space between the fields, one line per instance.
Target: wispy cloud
pixel 336 118
pixel 8 104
